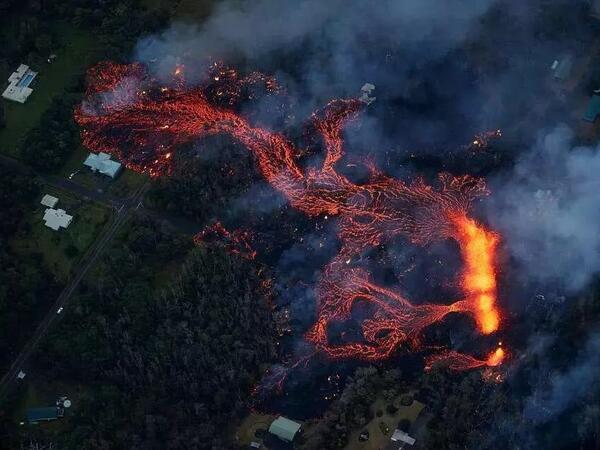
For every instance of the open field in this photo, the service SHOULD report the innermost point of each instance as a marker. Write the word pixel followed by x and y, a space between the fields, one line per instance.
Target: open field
pixel 377 437
pixel 253 422
pixel 76 50
pixel 62 249
pixel 37 392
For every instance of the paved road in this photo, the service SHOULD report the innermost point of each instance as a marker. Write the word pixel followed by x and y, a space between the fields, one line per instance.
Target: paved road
pixel 63 183
pixel 123 209
pixel 87 261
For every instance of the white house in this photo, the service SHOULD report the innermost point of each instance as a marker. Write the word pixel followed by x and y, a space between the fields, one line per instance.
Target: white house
pixel 102 163
pixel 365 93
pixel 18 84
pixel 400 439
pixel 285 429
pixel 57 218
pixel 49 201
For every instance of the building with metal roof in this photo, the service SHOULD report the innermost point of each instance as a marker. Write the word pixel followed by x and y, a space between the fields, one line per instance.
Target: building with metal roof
pixel 365 93
pixel 593 109
pixel 561 68
pixel 102 163
pixel 18 84
pixel 49 200
pixel 400 440
pixel 37 415
pixel 57 218
pixel 284 429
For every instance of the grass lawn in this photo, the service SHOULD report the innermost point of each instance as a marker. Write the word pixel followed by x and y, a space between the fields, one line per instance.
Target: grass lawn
pixel 377 438
pixel 88 220
pixel 39 393
pixel 126 183
pixel 254 421
pixel 76 50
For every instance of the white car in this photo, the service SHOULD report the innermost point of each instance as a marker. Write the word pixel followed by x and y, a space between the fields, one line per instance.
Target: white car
pixel 59 310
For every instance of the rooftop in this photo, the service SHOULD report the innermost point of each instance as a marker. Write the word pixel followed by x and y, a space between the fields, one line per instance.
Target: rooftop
pixel 593 109
pixel 285 429
pixel 49 201
pixel 18 84
pixel 35 415
pixel 57 218
pixel 102 163
pixel 401 439
pixel 562 67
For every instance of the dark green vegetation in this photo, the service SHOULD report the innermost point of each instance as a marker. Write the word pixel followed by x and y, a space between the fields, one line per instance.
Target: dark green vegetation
pixel 79 33
pixel 162 344
pixel 208 179
pixel 170 365
pixel 26 285
pixel 50 142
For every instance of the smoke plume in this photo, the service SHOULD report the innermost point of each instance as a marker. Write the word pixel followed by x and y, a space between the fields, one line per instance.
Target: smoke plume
pixel 547 210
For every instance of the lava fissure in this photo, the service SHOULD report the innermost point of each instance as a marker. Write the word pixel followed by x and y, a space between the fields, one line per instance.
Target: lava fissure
pixel 144 126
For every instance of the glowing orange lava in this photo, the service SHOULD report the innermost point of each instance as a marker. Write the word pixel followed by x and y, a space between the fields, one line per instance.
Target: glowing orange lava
pixel 143 126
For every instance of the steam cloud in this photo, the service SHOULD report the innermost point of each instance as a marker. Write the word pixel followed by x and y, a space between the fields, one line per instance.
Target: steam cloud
pixel 548 210
pixel 566 388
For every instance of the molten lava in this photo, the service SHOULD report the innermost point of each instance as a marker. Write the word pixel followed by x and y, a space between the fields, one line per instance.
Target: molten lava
pixel 125 114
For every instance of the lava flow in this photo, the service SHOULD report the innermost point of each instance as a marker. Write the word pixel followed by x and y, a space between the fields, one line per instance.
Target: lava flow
pixel 125 114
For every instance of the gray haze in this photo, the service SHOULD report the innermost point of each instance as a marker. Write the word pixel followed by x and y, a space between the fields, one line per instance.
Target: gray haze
pixel 548 210
pixel 564 389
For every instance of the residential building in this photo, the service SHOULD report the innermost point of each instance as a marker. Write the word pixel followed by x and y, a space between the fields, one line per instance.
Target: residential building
pixel 46 414
pixel 49 201
pixel 593 109
pixel 562 67
pixel 284 429
pixel 365 93
pixel 57 218
pixel 102 163
pixel 18 84
pixel 400 440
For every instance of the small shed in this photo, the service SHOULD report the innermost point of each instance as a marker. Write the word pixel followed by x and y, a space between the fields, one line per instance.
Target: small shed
pixel 285 429
pixel 37 415
pixel 49 201
pixel 593 109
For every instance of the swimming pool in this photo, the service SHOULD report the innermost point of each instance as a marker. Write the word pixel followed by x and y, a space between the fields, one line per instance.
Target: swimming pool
pixel 26 80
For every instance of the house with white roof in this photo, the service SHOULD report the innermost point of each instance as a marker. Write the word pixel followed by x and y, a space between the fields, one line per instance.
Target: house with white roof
pixel 102 163
pixel 57 218
pixel 18 84
pixel 49 200
pixel 284 428
pixel 400 440
pixel 365 93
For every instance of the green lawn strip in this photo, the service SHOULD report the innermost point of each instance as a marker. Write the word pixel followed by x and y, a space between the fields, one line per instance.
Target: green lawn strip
pixel 76 49
pixel 126 183
pixel 246 431
pixel 39 393
pixel 62 249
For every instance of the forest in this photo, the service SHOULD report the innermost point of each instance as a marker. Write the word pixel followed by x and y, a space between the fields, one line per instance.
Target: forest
pixel 26 286
pixel 169 367
pixel 164 342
